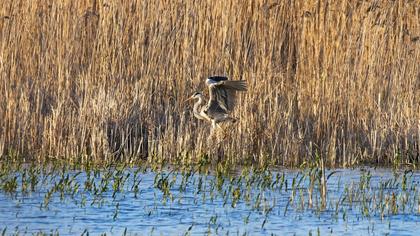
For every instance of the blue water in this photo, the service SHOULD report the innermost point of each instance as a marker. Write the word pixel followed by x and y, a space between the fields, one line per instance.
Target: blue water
pixel 209 211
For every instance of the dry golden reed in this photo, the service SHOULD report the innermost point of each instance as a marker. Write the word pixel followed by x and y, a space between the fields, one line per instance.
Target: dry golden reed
pixel 99 79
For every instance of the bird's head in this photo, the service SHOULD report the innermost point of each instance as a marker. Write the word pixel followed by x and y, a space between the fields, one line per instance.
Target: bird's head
pixel 196 95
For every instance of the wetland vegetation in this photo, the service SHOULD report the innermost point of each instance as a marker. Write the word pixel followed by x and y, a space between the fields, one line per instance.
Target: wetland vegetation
pixel 58 198
pixel 95 136
pixel 99 79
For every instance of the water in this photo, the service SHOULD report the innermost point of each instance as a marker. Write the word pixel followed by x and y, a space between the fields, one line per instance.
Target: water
pixel 175 203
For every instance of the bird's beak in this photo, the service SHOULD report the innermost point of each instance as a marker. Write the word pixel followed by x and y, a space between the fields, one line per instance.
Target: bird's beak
pixel 188 99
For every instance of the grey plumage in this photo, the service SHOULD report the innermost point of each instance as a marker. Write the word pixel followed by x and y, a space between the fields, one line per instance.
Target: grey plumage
pixel 222 100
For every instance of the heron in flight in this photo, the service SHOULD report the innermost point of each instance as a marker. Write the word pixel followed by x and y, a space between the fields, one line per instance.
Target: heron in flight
pixel 222 100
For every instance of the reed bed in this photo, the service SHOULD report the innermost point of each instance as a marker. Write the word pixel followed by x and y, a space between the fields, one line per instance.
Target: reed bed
pixel 104 79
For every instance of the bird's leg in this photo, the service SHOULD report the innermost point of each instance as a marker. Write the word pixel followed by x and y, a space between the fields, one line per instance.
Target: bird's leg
pixel 213 125
pixel 222 130
pixel 231 119
pixel 210 138
pixel 213 129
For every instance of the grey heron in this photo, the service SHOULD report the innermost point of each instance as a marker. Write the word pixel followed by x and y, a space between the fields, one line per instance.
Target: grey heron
pixel 222 100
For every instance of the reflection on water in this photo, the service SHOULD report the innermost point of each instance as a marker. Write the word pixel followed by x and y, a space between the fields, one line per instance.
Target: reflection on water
pixel 130 201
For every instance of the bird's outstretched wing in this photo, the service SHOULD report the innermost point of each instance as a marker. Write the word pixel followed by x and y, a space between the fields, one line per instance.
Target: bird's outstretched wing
pixel 222 92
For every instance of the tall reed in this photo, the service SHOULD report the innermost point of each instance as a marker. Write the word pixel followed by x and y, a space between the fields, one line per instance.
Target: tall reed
pixel 99 79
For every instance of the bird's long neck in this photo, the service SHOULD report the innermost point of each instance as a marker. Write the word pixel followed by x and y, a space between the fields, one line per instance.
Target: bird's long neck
pixel 196 109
